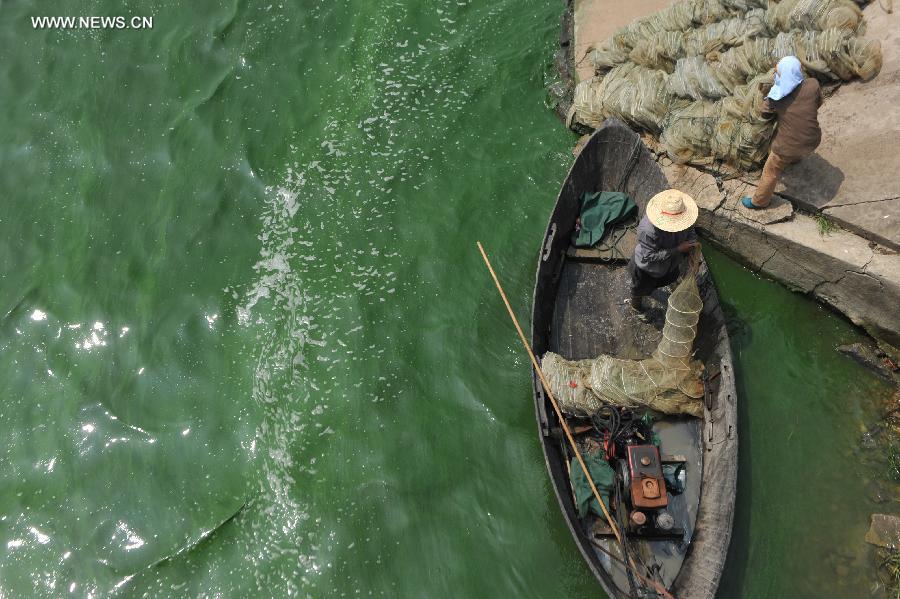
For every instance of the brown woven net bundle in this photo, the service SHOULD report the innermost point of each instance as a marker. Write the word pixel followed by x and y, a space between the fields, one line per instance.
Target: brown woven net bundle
pixel 662 50
pixel 668 381
pixel 691 27
pixel 700 132
pixel 679 17
pixel 712 53
pixel 833 54
pixel 788 15
pixel 630 93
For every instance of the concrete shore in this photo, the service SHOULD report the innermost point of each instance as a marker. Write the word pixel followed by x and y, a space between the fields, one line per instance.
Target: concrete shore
pixel 853 180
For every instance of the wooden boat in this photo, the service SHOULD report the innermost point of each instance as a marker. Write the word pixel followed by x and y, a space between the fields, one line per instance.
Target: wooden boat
pixel 579 312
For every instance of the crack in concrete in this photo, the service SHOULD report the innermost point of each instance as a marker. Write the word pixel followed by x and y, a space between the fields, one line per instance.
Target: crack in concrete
pixel 824 208
pixel 720 204
pixel 865 274
pixel 766 261
pixel 815 290
pixel 847 272
pixel 868 262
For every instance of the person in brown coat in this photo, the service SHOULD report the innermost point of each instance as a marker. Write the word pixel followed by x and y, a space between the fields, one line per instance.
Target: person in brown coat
pixel 794 101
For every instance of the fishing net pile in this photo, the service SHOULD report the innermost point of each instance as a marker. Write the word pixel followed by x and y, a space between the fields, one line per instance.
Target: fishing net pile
pixel 694 75
pixel 668 381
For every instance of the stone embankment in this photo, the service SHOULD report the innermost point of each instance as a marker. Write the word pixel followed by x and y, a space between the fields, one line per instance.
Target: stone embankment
pixel 854 269
pixel 857 277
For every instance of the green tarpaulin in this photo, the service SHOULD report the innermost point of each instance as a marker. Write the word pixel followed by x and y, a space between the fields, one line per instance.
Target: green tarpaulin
pixel 604 480
pixel 599 210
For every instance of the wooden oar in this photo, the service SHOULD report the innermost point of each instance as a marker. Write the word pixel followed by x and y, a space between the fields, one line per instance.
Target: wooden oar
pixel 565 426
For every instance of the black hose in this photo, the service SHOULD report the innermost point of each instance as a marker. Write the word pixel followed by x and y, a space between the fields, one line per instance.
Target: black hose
pixel 607 419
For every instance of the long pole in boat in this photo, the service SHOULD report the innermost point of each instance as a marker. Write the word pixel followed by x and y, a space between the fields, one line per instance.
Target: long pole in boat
pixel 565 426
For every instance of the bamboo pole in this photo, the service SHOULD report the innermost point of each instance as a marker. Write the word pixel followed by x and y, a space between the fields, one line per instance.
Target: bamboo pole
pixel 562 420
pixel 559 415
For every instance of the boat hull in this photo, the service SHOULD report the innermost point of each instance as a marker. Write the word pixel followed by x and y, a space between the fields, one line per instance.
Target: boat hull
pixel 578 312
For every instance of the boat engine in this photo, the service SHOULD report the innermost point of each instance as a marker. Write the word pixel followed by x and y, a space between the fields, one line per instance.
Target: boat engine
pixel 644 494
pixel 632 450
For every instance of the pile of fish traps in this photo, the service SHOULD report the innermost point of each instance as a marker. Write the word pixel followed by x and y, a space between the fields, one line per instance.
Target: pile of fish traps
pixel 695 74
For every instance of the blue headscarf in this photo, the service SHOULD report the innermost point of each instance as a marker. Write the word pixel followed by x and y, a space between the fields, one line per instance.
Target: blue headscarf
pixel 788 77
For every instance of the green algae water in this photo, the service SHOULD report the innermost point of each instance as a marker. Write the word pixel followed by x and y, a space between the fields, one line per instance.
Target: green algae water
pixel 806 483
pixel 248 347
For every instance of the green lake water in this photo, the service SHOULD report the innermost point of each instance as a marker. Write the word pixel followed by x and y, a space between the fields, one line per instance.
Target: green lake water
pixel 240 293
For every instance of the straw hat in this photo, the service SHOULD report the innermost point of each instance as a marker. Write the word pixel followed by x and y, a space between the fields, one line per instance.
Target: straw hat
pixel 672 210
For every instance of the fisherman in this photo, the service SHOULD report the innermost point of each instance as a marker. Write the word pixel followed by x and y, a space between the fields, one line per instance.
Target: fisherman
pixel 794 101
pixel 664 236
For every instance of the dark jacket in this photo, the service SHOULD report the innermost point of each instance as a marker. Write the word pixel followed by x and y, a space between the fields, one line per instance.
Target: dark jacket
pixel 656 251
pixel 798 132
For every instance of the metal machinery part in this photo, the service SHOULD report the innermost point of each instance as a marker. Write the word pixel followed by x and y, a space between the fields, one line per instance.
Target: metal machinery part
pixel 664 520
pixel 648 487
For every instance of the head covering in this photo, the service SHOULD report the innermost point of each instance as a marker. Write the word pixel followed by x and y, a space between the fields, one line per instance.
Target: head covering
pixel 672 210
pixel 788 77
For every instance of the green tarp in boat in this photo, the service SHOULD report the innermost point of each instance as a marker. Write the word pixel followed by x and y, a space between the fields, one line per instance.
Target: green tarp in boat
pixel 604 480
pixel 599 210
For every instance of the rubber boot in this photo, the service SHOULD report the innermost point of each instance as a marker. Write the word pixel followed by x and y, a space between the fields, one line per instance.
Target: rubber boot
pixel 637 303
